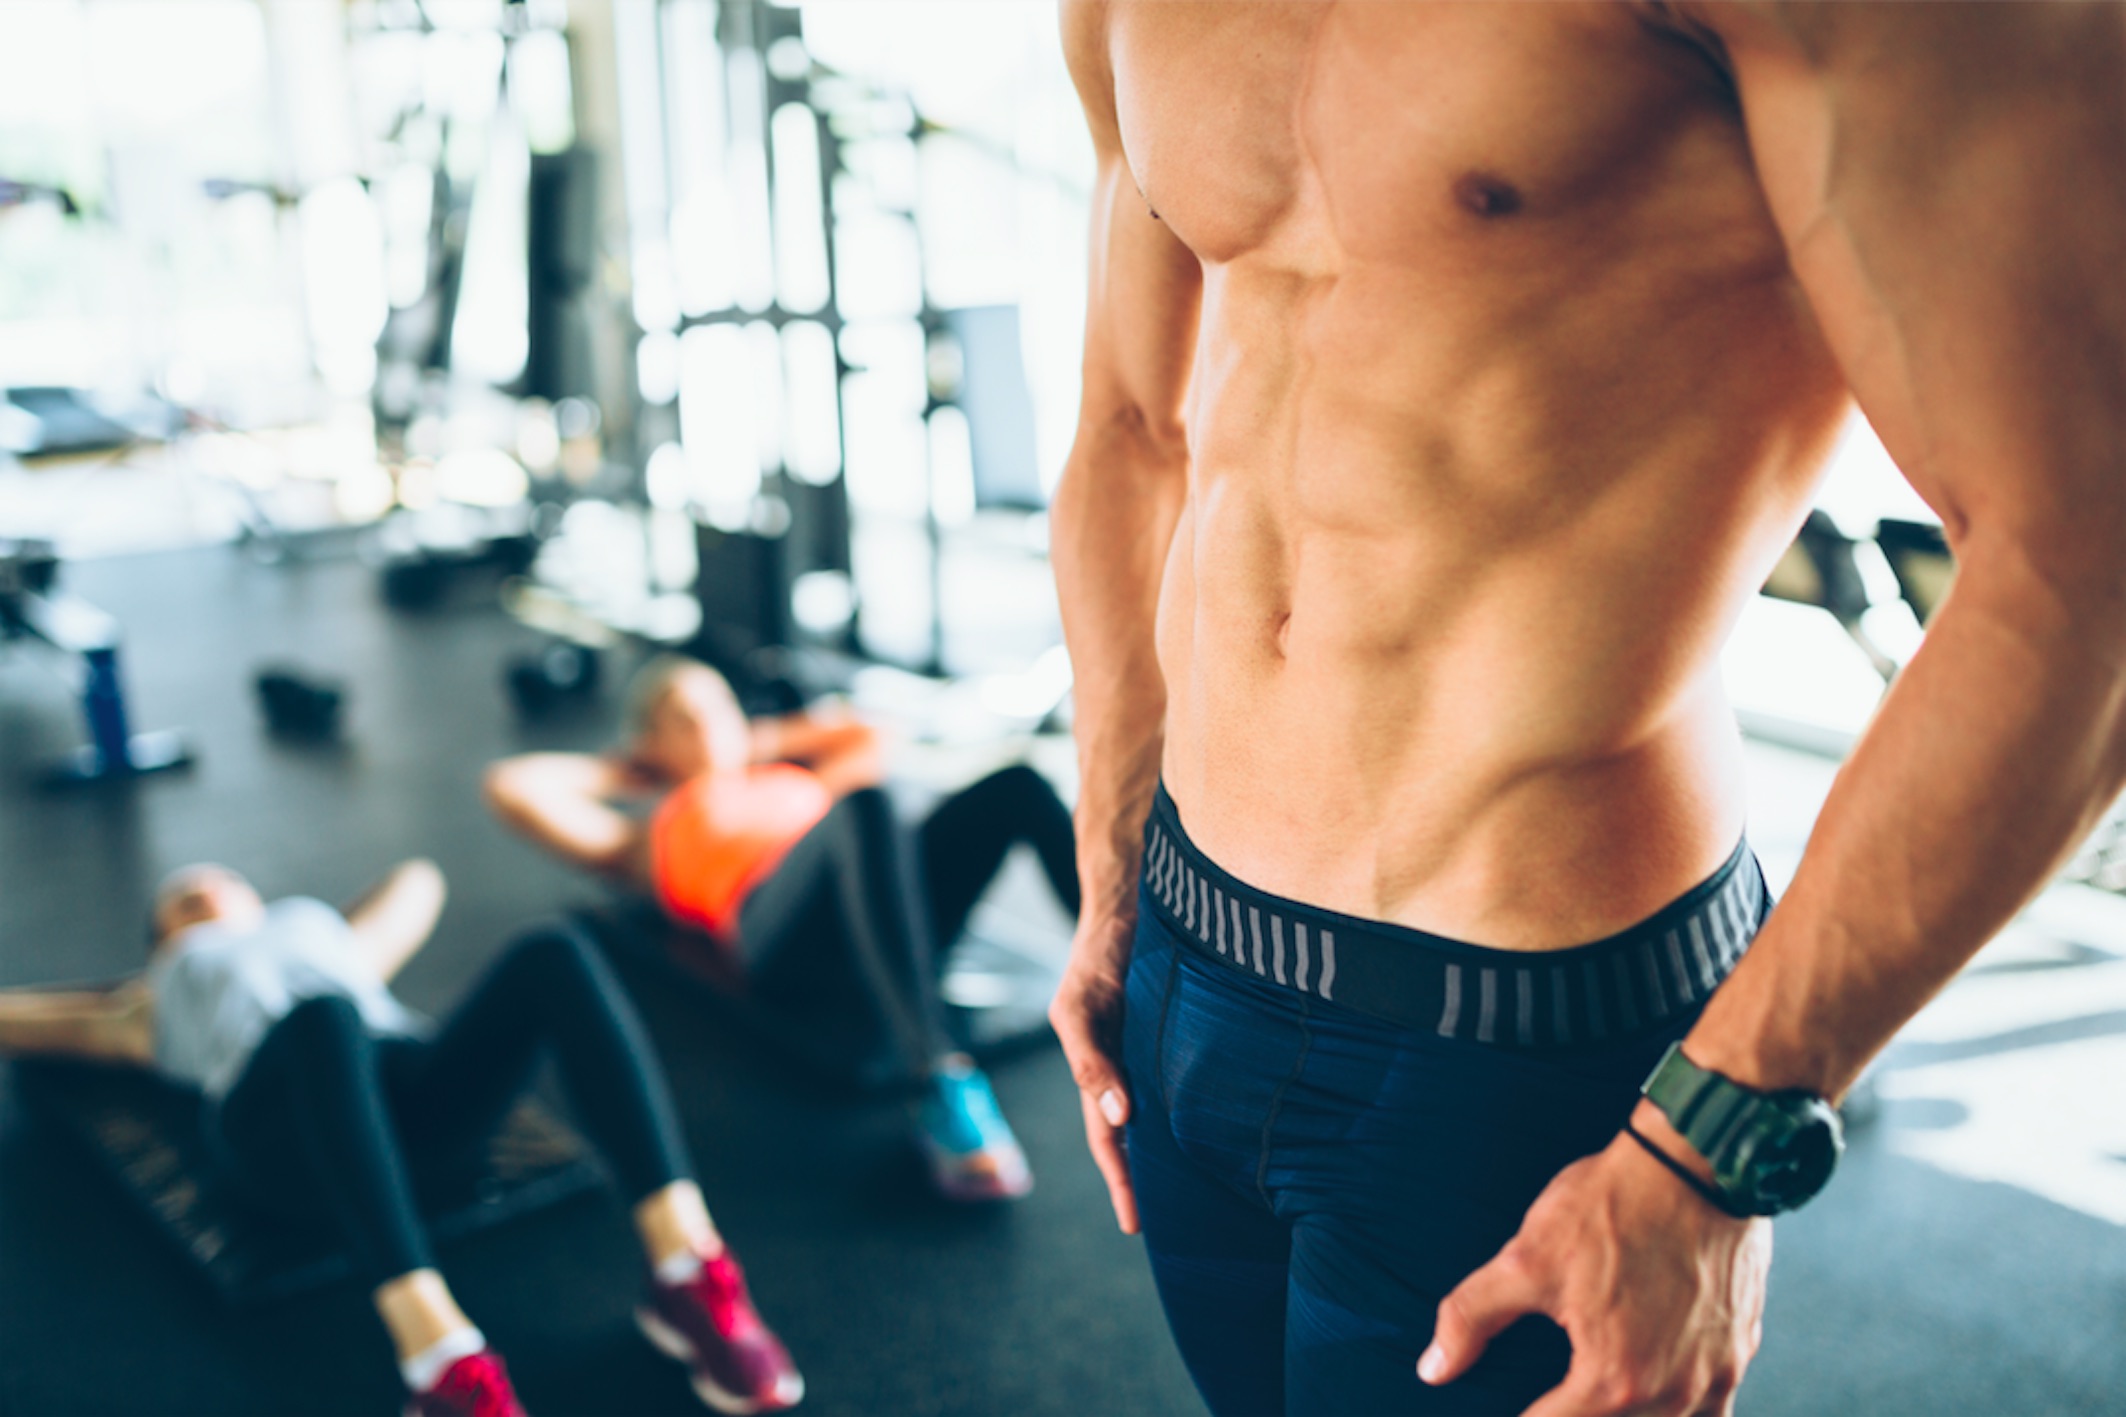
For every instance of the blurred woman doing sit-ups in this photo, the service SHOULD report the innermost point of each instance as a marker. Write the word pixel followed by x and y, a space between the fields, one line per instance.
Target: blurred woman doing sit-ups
pixel 774 837
pixel 323 1094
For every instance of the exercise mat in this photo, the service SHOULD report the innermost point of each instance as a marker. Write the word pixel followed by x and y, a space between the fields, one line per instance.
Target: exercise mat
pixel 144 1133
pixel 996 997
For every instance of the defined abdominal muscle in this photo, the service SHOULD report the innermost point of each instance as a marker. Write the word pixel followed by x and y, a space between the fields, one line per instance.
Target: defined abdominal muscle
pixel 1398 727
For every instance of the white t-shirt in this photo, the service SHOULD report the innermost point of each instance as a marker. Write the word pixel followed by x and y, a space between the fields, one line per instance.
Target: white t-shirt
pixel 218 990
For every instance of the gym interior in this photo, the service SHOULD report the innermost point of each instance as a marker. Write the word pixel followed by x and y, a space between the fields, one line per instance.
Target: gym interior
pixel 383 383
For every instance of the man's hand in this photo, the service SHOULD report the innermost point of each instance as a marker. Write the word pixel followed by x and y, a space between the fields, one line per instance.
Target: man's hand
pixel 1661 1294
pixel 1087 1016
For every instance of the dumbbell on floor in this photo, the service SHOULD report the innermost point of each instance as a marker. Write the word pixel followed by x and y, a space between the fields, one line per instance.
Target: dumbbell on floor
pixel 561 673
pixel 297 704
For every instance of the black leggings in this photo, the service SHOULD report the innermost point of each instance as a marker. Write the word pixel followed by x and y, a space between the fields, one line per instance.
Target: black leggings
pixel 855 915
pixel 325 1114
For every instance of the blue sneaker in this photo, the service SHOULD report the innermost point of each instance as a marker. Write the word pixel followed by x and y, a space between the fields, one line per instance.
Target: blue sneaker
pixel 972 1154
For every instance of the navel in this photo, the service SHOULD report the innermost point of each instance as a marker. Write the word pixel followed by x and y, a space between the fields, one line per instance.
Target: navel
pixel 1486 194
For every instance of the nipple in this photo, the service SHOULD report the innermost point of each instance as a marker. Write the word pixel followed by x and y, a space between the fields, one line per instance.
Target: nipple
pixel 1486 194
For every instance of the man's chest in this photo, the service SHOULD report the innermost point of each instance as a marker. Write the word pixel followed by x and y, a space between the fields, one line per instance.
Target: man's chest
pixel 1375 130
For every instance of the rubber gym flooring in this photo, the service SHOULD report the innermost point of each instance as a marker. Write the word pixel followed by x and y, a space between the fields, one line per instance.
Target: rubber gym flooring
pixel 1906 1290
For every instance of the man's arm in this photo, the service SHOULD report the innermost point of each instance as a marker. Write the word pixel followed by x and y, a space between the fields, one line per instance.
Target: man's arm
pixel 395 917
pixel 562 802
pixel 1951 185
pixel 1951 182
pixel 1115 511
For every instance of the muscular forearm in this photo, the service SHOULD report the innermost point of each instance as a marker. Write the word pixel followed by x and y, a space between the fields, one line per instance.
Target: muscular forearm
pixel 2000 745
pixel 1114 518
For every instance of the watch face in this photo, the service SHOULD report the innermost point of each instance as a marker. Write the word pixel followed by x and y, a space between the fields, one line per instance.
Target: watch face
pixel 1788 1164
pixel 1770 1151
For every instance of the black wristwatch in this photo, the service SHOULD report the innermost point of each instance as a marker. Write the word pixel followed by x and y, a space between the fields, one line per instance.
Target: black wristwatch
pixel 1770 1151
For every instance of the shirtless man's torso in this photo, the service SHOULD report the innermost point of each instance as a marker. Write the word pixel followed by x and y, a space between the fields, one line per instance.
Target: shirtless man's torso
pixel 1454 374
pixel 1503 400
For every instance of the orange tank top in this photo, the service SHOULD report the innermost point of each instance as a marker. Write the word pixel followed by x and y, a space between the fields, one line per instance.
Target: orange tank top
pixel 713 838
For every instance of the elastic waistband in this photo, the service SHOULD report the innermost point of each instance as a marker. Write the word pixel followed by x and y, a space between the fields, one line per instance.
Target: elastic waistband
pixel 1640 981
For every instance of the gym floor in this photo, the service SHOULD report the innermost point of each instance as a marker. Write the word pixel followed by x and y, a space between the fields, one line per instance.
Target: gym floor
pixel 1912 1287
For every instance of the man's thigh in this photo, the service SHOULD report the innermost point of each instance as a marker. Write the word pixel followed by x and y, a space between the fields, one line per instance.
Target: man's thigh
pixel 1352 1347
pixel 1405 1162
pixel 1218 1252
pixel 1222 1267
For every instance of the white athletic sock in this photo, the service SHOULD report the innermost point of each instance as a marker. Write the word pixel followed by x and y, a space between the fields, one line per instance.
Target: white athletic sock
pixel 426 1368
pixel 677 1269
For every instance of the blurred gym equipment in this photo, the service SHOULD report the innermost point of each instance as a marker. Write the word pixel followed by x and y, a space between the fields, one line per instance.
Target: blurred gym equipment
pixel 17 194
pixel 987 380
pixel 1819 569
pixel 558 675
pixel 1919 557
pixel 51 422
pixel 32 607
pixel 422 557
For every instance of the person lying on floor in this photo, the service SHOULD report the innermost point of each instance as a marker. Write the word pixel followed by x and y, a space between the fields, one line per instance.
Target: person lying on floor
pixel 774 837
pixel 319 1086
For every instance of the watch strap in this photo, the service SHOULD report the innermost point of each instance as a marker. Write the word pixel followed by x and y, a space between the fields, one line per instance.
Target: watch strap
pixel 1740 1131
pixel 1705 1108
pixel 1712 1195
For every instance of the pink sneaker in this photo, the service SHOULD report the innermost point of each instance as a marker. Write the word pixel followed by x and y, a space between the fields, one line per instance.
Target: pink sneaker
pixel 710 1325
pixel 477 1385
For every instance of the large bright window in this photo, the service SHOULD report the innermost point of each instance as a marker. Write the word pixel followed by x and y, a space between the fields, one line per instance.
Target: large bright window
pixel 149 248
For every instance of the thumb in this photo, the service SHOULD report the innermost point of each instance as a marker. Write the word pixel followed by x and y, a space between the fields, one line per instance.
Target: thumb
pixel 1470 1317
